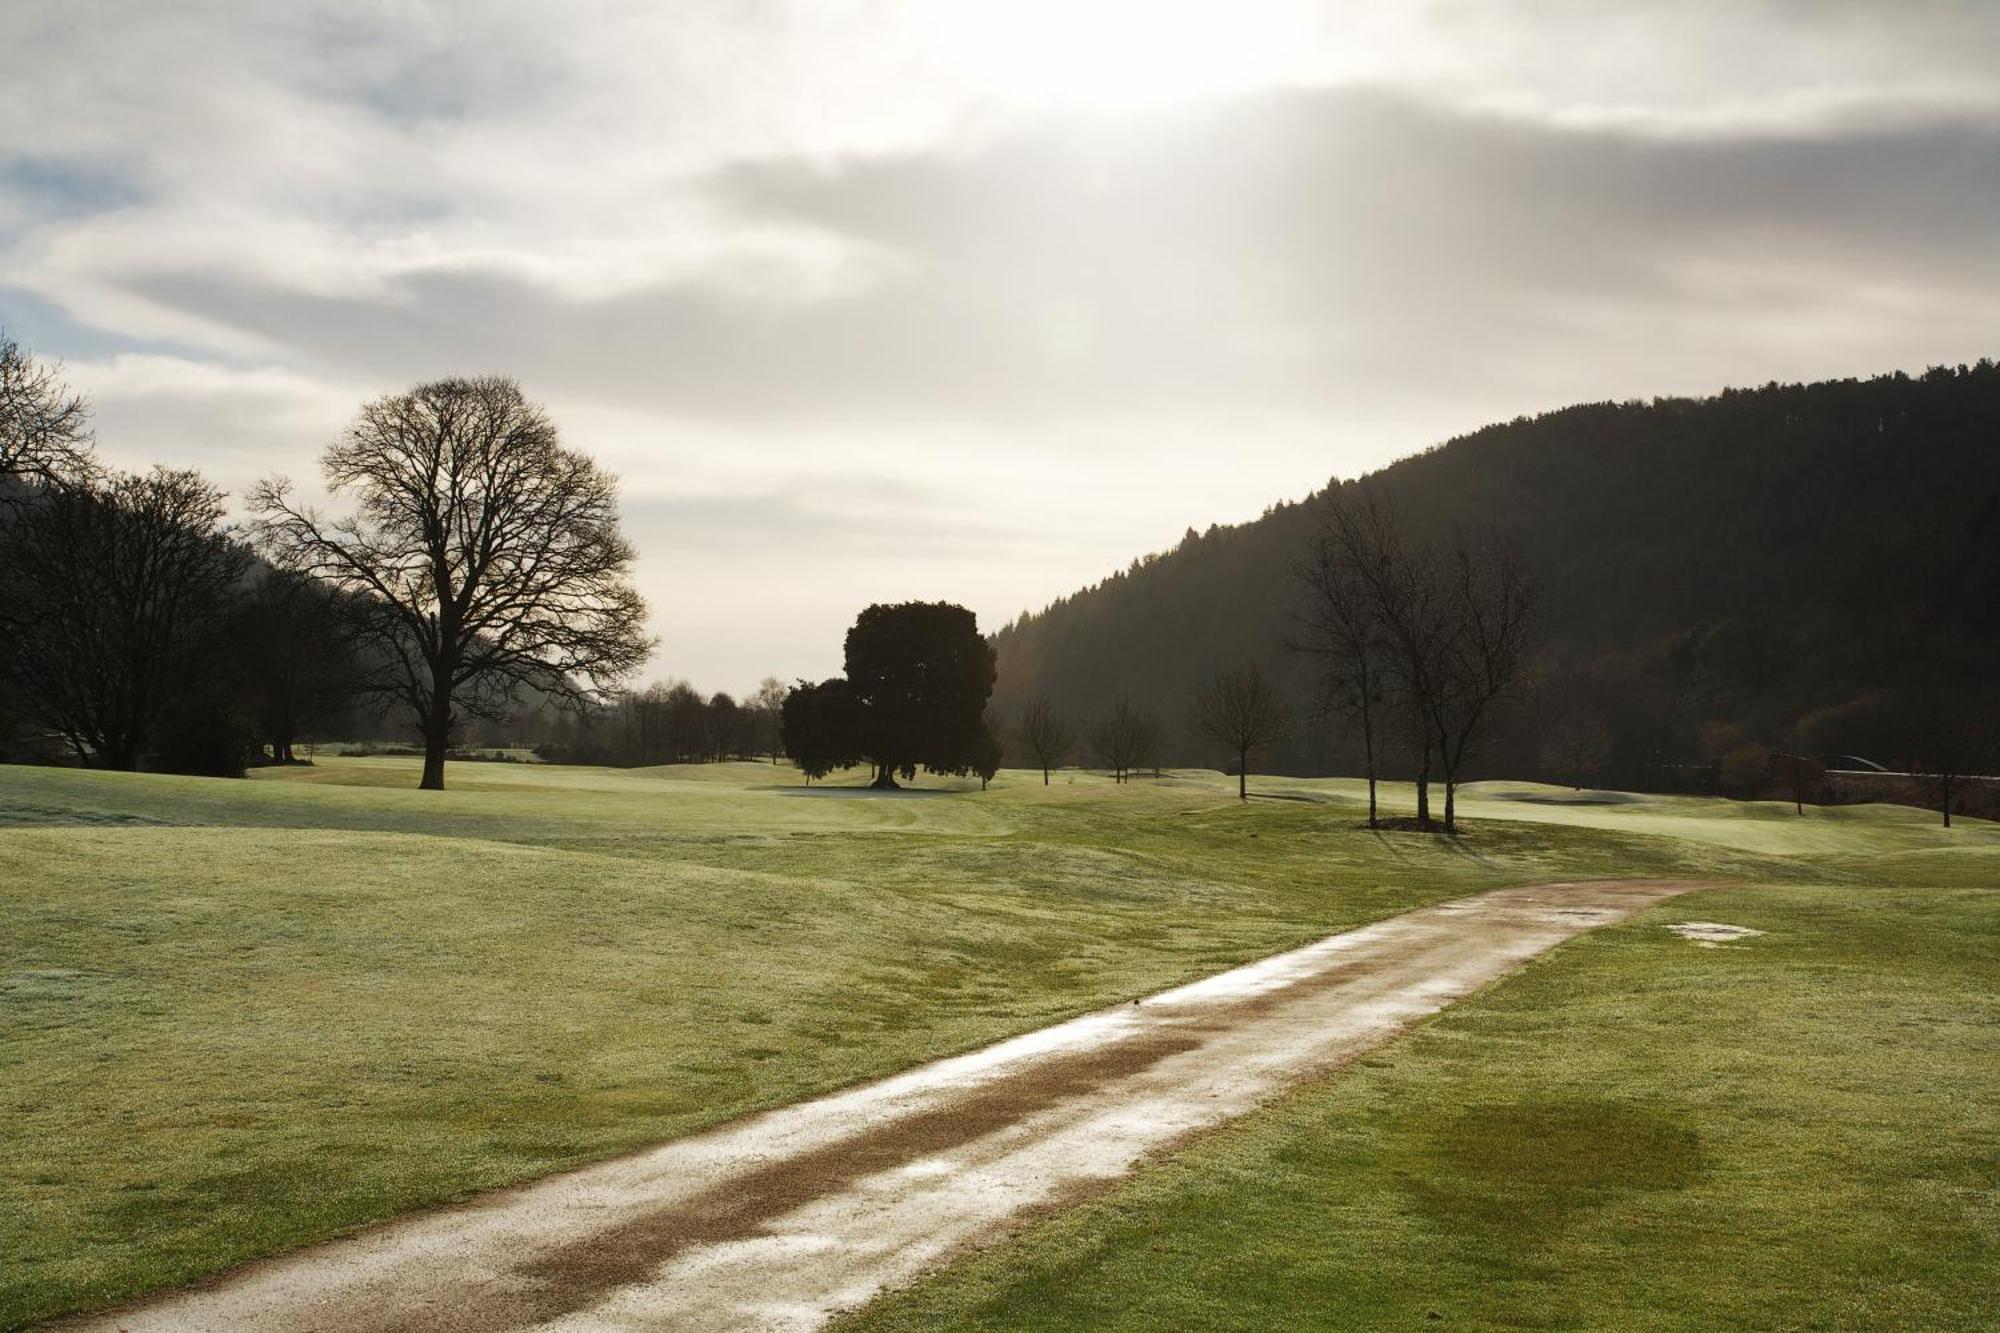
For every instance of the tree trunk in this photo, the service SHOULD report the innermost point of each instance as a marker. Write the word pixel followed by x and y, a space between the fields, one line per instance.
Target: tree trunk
pixel 1450 804
pixel 1368 756
pixel 1242 775
pixel 1045 777
pixel 1424 789
pixel 885 778
pixel 1946 802
pixel 437 738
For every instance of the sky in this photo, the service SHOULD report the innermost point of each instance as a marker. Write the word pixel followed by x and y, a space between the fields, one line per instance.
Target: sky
pixel 870 301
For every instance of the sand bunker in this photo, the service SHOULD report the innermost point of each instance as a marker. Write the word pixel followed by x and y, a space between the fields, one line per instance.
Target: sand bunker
pixel 1712 934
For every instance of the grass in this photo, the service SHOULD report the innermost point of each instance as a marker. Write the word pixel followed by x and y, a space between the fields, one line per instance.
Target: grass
pixel 241 1016
pixel 1794 1132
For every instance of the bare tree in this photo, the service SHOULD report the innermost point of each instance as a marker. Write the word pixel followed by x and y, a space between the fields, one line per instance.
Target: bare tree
pixel 1455 627
pixel 768 707
pixel 1125 739
pixel 1393 592
pixel 44 427
pixel 1956 731
pixel 1047 735
pixel 488 554
pixel 117 599
pixel 1337 627
pixel 1578 743
pixel 1242 710
pixel 1487 615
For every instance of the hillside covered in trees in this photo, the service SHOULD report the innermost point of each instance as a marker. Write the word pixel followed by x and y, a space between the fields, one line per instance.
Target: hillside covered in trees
pixel 1768 568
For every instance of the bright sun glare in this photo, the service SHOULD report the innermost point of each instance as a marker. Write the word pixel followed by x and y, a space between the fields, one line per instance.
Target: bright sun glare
pixel 1123 54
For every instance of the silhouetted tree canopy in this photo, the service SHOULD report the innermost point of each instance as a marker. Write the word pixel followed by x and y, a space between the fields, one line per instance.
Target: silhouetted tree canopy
pixel 486 554
pixel 115 597
pixel 924 675
pixel 823 727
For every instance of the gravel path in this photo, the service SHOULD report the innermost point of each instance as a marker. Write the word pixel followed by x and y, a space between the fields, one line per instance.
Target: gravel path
pixel 783 1219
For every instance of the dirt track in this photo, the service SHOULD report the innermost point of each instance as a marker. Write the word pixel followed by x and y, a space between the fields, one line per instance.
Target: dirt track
pixel 780 1220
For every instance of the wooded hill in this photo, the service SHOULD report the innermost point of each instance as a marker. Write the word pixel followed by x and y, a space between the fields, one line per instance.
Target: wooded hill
pixel 1759 567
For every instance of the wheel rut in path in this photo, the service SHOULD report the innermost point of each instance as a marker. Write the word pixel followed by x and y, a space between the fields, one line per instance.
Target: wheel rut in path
pixel 782 1220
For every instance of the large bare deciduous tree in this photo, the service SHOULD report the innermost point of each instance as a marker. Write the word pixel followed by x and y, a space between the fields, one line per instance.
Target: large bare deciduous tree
pixel 1338 629
pixel 1241 709
pixel 1451 627
pixel 487 554
pixel 44 426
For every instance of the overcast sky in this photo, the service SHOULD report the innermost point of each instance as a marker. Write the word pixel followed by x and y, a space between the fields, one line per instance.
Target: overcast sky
pixel 871 301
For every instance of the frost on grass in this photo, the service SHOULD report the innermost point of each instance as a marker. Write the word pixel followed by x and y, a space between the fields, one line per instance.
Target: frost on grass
pixel 1711 934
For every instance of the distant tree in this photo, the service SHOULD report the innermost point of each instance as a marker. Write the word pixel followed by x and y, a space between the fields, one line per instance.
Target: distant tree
pixel 924 673
pixel 1955 731
pixel 1803 775
pixel 44 427
pixel 767 708
pixel 684 716
pixel 1337 627
pixel 1126 739
pixel 1398 592
pixel 1240 709
pixel 824 727
pixel 487 553
pixel 1457 623
pixel 1046 735
pixel 295 640
pixel 1578 744
pixel 1488 606
pixel 117 594
pixel 724 723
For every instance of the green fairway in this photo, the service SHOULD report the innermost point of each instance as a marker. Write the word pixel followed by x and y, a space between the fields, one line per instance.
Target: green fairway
pixel 240 1016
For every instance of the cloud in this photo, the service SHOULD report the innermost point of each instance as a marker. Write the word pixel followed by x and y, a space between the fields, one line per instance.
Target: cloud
pixel 841 292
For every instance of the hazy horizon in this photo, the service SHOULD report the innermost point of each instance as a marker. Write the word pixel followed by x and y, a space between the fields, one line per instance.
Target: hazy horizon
pixel 874 302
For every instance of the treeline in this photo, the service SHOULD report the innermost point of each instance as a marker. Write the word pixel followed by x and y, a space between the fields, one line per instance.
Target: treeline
pixel 136 628
pixel 669 722
pixel 480 576
pixel 1792 570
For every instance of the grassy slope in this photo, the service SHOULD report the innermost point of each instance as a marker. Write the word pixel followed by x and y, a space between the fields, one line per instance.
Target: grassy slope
pixel 1797 1131
pixel 242 1016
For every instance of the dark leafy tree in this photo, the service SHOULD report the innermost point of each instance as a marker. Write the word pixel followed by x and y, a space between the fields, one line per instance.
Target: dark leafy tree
pixel 1046 735
pixel 1242 710
pixel 685 714
pixel 824 727
pixel 487 553
pixel 116 605
pixel 924 674
pixel 724 726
